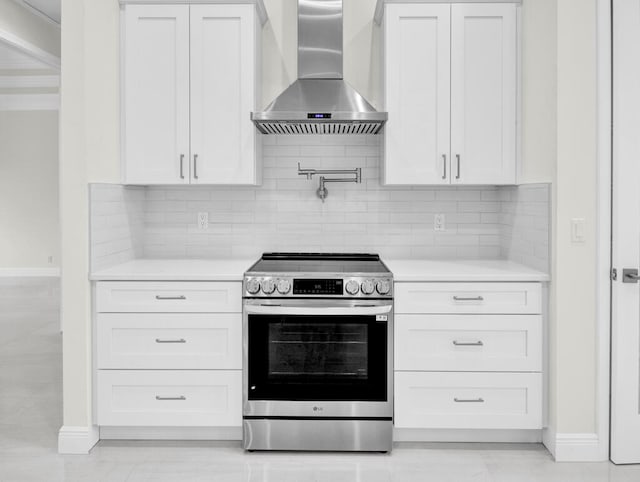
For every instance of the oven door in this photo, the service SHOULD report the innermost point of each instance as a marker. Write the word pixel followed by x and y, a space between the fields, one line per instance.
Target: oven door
pixel 312 358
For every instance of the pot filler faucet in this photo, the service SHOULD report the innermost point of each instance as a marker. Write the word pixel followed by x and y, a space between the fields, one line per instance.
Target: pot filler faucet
pixel 322 191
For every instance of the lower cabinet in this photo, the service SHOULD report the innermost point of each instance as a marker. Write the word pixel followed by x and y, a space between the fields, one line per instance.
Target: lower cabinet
pixel 169 354
pixel 186 398
pixel 468 356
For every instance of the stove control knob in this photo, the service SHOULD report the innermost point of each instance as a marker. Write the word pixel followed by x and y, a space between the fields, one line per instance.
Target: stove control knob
pixel 352 287
pixel 367 287
pixel 268 286
pixel 382 287
pixel 284 285
pixel 253 286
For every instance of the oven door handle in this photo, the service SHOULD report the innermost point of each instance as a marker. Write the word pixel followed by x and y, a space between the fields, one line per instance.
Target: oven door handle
pixel 318 310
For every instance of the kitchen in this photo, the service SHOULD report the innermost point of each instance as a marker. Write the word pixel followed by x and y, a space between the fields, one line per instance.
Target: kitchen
pixel 285 213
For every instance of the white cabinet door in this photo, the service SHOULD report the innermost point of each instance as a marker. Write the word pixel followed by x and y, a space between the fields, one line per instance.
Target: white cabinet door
pixel 156 94
pixel 170 398
pixel 468 400
pixel 488 343
pixel 223 39
pixel 417 83
pixel 483 93
pixel 169 341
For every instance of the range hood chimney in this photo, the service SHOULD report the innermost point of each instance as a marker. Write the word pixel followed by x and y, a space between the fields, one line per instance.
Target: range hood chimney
pixel 320 101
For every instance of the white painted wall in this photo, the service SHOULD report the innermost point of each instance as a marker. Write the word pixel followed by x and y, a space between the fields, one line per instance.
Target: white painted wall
pixel 573 305
pixel 29 189
pixel 539 98
pixel 560 88
pixel 21 22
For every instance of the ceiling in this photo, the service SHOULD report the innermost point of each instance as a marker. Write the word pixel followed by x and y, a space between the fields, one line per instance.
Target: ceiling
pixel 11 58
pixel 51 8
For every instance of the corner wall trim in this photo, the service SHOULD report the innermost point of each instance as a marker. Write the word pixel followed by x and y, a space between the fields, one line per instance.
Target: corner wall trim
pixel 574 447
pixel 29 272
pixel 77 440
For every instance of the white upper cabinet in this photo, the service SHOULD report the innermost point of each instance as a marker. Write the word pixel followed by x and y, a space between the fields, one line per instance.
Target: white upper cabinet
pixel 156 94
pixel 483 93
pixel 450 82
pixel 417 94
pixel 222 94
pixel 190 77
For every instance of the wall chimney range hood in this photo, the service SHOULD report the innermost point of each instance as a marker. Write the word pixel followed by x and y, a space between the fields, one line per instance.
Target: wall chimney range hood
pixel 320 101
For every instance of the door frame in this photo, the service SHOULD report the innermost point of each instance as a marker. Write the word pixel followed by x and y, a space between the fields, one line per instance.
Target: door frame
pixel 603 225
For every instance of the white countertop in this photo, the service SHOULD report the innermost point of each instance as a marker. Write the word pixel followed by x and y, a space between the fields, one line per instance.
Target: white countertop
pixel 233 269
pixel 462 270
pixel 175 270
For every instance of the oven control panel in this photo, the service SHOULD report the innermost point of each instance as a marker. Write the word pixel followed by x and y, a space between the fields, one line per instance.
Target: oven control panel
pixel 304 287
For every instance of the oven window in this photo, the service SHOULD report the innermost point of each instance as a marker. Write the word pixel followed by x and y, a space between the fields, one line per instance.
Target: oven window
pixel 317 358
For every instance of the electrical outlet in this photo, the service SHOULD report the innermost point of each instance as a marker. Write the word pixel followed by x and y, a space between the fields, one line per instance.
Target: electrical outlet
pixel 203 221
pixel 50 259
pixel 439 222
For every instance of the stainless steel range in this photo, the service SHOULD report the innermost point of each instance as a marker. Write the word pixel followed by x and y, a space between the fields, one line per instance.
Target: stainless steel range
pixel 318 361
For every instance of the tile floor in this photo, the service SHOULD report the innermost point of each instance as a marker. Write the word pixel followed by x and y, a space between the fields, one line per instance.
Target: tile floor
pixel 30 415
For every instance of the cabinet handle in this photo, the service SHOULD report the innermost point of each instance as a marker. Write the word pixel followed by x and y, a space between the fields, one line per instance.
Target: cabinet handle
pixel 181 340
pixel 458 161
pixel 181 166
pixel 181 397
pixel 444 164
pixel 181 297
pixel 468 343
pixel 462 298
pixel 468 400
pixel 195 166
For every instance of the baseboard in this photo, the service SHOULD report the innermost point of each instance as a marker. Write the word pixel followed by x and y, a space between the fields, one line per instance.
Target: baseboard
pixel 77 440
pixel 574 447
pixel 171 433
pixel 460 435
pixel 29 272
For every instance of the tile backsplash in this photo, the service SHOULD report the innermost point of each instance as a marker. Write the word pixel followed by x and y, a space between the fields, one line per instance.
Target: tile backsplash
pixel 116 224
pixel 285 214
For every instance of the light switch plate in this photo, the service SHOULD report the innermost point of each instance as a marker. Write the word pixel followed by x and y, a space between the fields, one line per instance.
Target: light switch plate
pixel 578 230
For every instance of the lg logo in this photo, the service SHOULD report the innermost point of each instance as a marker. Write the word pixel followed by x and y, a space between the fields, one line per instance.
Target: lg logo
pixel 318 409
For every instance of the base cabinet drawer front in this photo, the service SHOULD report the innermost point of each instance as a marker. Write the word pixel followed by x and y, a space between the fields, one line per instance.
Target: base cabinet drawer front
pixel 485 298
pixel 468 400
pixel 468 343
pixel 169 341
pixel 169 297
pixel 170 398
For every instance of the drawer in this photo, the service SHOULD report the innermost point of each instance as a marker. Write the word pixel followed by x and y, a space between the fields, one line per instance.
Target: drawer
pixel 170 398
pixel 468 400
pixel 170 340
pixel 168 297
pixel 468 343
pixel 488 298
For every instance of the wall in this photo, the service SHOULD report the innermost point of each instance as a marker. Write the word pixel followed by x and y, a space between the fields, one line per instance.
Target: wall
pixel 116 224
pixel 129 222
pixel 29 189
pixel 90 146
pixel 539 91
pixel 573 306
pixel 22 23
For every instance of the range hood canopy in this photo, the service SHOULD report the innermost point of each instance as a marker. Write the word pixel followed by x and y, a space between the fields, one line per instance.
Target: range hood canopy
pixel 320 101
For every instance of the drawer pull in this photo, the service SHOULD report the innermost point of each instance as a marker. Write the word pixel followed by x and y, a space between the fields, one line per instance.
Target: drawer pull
pixel 468 400
pixel 181 340
pixel 468 343
pixel 181 297
pixel 181 397
pixel 474 298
